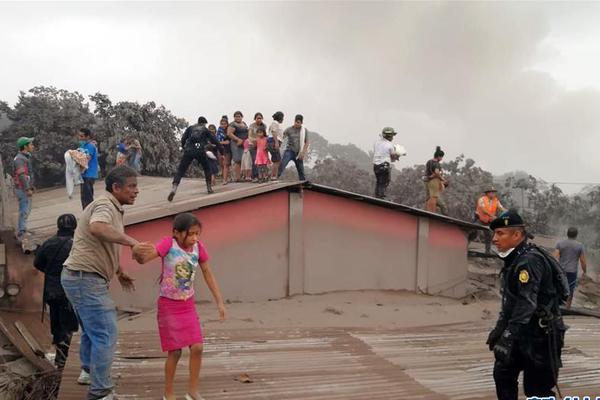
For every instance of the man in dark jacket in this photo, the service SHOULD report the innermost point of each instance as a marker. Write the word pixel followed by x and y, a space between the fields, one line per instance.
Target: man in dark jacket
pixel 196 140
pixel 529 334
pixel 49 259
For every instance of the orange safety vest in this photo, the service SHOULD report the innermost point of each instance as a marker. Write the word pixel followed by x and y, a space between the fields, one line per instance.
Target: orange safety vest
pixel 490 206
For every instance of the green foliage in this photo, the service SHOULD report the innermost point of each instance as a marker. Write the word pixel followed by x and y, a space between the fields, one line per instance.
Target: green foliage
pixel 53 116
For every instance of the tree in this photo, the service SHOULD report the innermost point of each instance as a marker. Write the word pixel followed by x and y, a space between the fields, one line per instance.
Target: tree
pixel 156 128
pixel 52 116
pixel 341 174
pixel 467 183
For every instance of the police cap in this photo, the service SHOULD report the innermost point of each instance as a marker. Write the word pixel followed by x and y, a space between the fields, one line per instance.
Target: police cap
pixel 508 219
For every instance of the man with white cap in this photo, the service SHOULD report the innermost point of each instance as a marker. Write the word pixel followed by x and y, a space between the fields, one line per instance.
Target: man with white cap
pixel 384 153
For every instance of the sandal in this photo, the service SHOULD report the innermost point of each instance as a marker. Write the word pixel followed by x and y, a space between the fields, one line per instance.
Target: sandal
pixel 189 397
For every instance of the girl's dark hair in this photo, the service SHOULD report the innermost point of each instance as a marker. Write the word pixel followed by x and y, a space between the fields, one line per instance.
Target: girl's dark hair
pixel 235 114
pixel 212 126
pixel 438 152
pixel 278 116
pixel 261 129
pixel 184 221
pixel 258 114
pixel 225 118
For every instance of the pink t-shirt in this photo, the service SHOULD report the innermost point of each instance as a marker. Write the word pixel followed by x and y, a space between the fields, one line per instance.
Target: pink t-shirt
pixel 179 268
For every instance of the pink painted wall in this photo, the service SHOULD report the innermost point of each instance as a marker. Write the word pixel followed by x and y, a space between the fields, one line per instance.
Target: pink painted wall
pixel 350 245
pixel 246 239
pixel 345 245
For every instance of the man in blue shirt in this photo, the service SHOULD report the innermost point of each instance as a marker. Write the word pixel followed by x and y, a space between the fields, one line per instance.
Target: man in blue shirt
pixel 91 173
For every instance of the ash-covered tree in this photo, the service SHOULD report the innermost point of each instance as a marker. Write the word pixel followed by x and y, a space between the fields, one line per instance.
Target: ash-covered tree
pixel 467 183
pixel 341 174
pixel 156 128
pixel 52 116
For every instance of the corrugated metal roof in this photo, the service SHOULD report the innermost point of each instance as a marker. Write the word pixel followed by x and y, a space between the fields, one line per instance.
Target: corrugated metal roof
pixel 449 362
pixel 152 203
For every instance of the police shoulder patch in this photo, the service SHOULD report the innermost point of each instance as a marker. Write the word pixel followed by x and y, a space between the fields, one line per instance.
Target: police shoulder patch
pixel 523 276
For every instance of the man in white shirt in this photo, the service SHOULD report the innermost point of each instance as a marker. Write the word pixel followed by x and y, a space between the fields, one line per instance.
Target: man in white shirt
pixel 383 156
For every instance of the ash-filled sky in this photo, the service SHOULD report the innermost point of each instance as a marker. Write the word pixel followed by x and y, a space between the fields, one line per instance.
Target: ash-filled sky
pixel 515 86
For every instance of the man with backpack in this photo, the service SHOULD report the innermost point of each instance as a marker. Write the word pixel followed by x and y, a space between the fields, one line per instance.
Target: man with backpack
pixel 49 259
pixel 529 334
pixel 195 141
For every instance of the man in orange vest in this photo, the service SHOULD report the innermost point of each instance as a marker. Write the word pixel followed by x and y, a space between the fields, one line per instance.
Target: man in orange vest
pixel 488 207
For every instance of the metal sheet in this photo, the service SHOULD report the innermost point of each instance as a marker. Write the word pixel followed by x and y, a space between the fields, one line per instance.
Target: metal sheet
pixel 446 362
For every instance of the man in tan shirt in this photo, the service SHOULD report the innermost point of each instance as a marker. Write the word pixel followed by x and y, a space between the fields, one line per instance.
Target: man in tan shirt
pixel 92 263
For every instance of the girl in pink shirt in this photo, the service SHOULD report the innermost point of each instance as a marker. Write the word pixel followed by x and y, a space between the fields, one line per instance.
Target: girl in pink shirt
pixel 262 157
pixel 178 321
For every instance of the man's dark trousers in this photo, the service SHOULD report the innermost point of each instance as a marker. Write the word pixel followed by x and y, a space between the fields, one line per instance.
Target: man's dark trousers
pixel 383 177
pixel 186 161
pixel 538 378
pixel 87 192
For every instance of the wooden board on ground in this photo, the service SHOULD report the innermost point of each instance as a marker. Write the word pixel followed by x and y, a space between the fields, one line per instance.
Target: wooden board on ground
pixel 10 331
pixel 31 341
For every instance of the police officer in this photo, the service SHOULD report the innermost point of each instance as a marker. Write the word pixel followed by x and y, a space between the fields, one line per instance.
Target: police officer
pixel 529 333
pixel 383 155
pixel 195 141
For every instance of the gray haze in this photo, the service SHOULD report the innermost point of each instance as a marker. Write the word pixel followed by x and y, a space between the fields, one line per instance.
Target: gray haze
pixel 512 85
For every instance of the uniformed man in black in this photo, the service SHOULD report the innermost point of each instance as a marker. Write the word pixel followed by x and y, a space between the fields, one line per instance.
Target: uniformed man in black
pixel 529 333
pixel 49 259
pixel 195 141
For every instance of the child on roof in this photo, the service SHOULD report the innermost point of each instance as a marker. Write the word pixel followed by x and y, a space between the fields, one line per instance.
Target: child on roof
pixel 246 163
pixel 262 156
pixel 178 321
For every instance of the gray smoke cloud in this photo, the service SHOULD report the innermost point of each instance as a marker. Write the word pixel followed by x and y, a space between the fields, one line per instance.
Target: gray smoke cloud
pixel 460 75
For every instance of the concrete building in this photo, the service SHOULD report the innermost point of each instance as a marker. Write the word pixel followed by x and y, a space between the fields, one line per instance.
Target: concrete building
pixel 282 239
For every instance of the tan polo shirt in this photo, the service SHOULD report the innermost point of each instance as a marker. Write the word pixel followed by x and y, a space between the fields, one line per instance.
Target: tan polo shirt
pixel 89 253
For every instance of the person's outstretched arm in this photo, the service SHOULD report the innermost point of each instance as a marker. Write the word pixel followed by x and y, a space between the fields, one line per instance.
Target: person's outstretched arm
pixel 212 284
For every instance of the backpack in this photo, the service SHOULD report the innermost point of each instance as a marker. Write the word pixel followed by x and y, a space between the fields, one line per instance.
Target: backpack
pixel 559 279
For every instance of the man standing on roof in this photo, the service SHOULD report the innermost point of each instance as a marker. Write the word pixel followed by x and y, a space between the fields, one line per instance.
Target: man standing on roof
pixel 296 137
pixel 529 334
pixel 194 141
pixel 88 147
pixel 488 207
pixel 384 154
pixel 23 180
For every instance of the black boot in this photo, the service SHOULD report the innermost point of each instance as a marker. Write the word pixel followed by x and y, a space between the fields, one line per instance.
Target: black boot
pixel 209 188
pixel 62 352
pixel 172 193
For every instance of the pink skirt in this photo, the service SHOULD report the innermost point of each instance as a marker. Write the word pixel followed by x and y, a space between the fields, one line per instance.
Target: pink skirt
pixel 178 323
